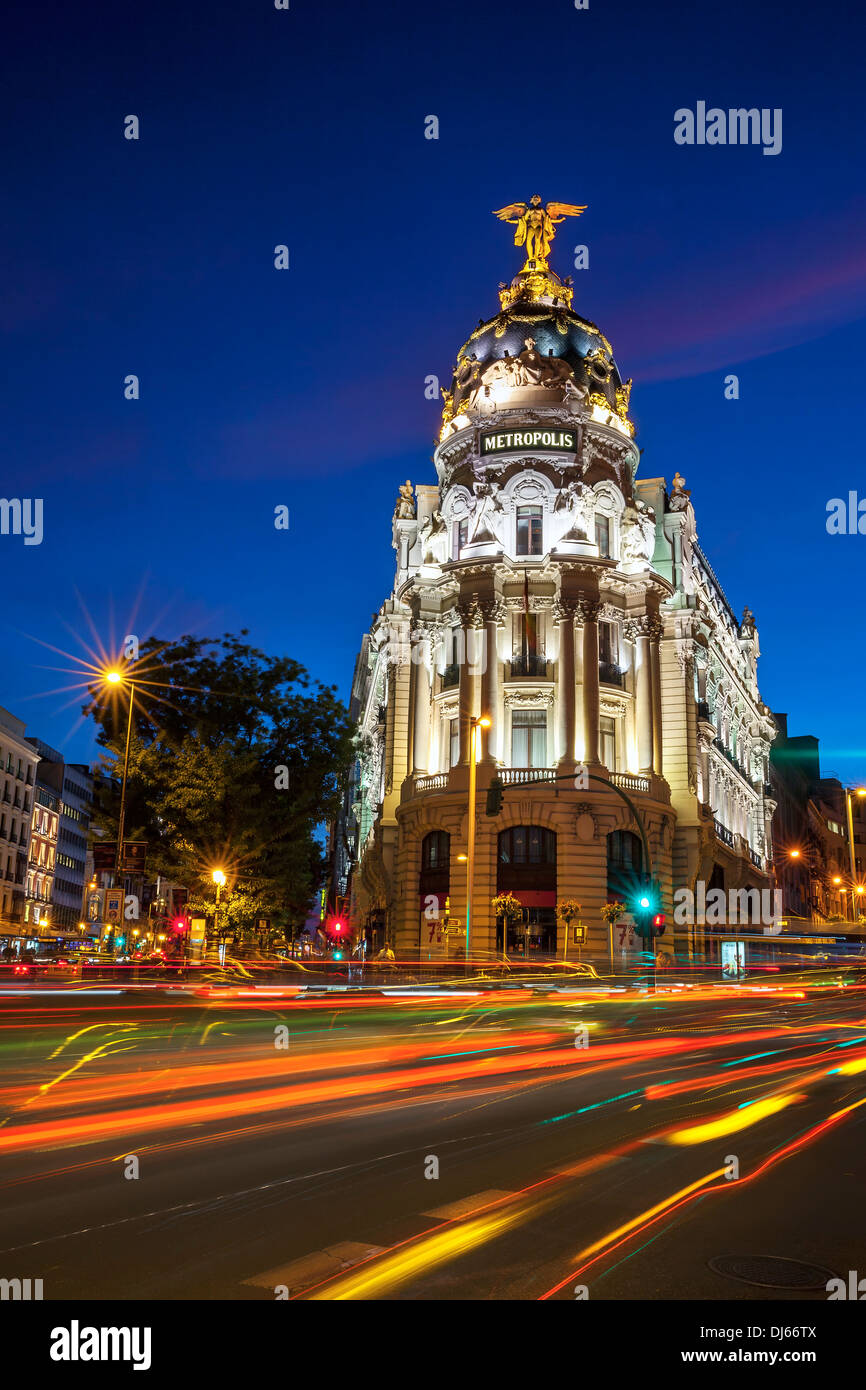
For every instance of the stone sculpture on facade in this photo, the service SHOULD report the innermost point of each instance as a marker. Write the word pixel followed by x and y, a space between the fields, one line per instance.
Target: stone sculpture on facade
pixel 405 506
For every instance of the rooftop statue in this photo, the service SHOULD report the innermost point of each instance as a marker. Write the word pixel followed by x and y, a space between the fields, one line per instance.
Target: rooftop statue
pixel 405 508
pixel 536 226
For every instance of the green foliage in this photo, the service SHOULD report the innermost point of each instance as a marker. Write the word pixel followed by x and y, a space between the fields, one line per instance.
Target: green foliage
pixel 214 722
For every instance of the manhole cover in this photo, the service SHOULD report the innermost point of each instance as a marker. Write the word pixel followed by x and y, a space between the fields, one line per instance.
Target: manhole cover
pixel 771 1271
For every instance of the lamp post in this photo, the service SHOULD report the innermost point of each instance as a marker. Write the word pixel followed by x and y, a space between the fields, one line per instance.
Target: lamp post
pixel 116 678
pixel 219 879
pixel 482 722
pixel 796 855
pixel 859 791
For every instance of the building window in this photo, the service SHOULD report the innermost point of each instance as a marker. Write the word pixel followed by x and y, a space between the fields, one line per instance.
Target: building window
pixel 527 844
pixel 608 645
pixel 625 867
pixel 459 537
pixel 453 729
pixel 602 535
pixel 529 738
pixel 435 850
pixel 529 531
pixel 607 731
pixel 609 669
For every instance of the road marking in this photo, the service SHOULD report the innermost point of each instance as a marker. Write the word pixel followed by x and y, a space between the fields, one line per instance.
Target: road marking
pixel 467 1204
pixel 319 1264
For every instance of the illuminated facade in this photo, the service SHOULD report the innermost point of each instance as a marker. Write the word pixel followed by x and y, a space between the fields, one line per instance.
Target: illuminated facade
pixel 541 583
pixel 18 762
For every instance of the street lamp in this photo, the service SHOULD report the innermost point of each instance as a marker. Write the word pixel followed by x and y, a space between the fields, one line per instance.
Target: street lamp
pixel 796 855
pixel 219 879
pixel 117 678
pixel 482 722
pixel 858 791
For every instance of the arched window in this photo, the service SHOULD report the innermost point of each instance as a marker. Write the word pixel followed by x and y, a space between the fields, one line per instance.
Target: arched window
pixel 625 866
pixel 527 844
pixel 435 862
pixel 526 858
pixel 435 849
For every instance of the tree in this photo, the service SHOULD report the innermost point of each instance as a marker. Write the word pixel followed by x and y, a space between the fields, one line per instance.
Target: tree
pixel 235 761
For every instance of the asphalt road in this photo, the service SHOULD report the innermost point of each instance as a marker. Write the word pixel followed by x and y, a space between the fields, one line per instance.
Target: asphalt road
pixel 494 1145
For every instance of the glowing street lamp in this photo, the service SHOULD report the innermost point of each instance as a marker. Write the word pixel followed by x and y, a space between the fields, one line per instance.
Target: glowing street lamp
pixel 219 879
pixel 113 677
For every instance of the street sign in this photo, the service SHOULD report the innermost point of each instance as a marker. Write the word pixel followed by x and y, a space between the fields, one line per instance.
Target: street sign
pixel 114 905
pixel 103 856
pixel 579 934
pixel 132 862
pixel 134 856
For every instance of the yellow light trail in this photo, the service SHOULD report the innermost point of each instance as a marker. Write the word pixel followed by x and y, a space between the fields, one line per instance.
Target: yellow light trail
pixel 734 1121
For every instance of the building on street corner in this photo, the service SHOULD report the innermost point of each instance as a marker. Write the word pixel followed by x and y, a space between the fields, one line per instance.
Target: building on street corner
pixel 542 583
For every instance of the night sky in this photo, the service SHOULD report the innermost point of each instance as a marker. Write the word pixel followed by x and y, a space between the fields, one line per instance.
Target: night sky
pixel 306 387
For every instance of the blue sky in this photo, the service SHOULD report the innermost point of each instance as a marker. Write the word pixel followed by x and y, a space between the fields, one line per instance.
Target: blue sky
pixel 306 387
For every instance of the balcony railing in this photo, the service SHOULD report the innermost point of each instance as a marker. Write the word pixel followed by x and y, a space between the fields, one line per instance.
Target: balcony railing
pixel 726 836
pixel 430 784
pixel 451 676
pixel 630 781
pixel 756 859
pixel 609 673
pixel 734 761
pixel 529 665
pixel 512 776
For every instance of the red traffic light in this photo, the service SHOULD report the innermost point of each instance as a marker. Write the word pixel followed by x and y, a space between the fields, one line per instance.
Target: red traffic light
pixel 659 923
pixel 338 927
pixel 179 924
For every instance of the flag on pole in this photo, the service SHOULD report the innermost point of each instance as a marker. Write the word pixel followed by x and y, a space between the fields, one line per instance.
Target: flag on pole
pixel 530 624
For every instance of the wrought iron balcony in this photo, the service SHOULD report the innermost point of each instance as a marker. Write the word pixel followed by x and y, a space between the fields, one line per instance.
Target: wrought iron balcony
pixel 609 673
pixel 726 836
pixel 530 665
pixel 451 675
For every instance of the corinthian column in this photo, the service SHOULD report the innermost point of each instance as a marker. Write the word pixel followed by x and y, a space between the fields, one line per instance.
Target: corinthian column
pixel 656 629
pixel 590 610
pixel 470 662
pixel 563 612
pixel 493 611
pixel 421 703
pixel 637 630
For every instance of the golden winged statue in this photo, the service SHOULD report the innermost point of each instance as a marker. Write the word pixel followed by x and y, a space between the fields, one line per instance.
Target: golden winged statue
pixel 536 226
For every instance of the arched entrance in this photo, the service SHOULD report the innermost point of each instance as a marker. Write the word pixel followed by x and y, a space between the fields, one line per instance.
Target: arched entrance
pixel 526 867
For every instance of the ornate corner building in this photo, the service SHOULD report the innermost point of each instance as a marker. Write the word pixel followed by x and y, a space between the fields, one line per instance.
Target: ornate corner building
pixel 541 583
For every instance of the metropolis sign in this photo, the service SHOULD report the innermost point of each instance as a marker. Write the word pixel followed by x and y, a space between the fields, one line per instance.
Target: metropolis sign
pixel 559 441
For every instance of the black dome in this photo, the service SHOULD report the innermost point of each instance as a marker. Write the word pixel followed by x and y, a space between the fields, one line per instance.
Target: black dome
pixel 555 329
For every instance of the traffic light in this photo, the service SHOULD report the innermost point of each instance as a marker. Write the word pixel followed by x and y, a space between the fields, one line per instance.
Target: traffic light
pixel 494 796
pixel 649 920
pixel 179 925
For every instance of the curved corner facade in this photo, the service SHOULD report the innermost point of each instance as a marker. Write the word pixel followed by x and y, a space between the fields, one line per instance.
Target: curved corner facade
pixel 541 583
